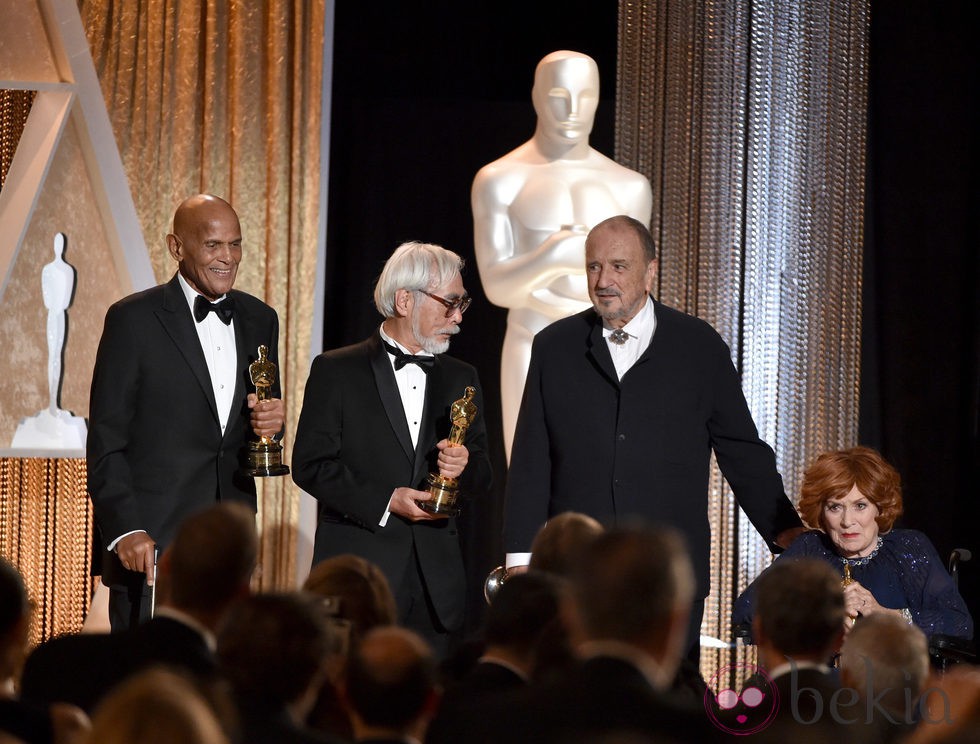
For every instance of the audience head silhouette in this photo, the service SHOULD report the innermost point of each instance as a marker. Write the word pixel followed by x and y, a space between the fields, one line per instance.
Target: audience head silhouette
pixel 390 684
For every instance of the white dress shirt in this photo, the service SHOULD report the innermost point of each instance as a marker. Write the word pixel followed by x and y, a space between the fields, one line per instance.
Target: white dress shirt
pixel 410 380
pixel 640 330
pixel 220 353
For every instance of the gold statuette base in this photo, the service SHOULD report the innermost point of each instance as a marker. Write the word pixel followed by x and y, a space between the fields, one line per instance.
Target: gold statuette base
pixel 265 460
pixel 444 493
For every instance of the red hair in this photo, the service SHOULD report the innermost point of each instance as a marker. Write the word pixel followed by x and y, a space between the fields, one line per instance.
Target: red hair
pixel 834 474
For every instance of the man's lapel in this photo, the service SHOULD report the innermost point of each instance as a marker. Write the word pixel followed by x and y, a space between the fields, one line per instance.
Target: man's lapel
pixel 435 394
pixel 178 322
pixel 598 350
pixel 247 351
pixel 384 378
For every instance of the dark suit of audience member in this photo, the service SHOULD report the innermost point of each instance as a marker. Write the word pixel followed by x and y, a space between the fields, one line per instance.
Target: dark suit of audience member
pixel 374 424
pixel 798 626
pixel 633 589
pixel 525 611
pixel 172 405
pixel 207 568
pixel 274 650
pixel 390 686
pixel 623 406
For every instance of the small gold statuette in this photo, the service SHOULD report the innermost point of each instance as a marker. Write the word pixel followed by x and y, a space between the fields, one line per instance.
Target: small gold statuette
pixel 264 457
pixel 846 581
pixel 445 490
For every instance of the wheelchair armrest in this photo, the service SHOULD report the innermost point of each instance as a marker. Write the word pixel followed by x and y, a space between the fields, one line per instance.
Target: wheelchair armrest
pixel 952 648
pixel 743 632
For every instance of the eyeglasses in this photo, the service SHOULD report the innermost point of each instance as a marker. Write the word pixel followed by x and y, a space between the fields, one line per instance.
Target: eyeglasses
pixel 460 303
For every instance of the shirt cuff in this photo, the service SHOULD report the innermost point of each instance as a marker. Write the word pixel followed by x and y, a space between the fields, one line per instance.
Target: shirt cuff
pixel 112 545
pixel 384 517
pixel 517 559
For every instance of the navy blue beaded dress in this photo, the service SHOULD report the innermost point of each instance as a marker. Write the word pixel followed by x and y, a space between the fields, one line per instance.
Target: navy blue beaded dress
pixel 905 571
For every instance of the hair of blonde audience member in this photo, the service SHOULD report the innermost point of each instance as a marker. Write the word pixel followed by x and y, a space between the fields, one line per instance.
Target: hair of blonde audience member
pixel 886 659
pixel 560 542
pixel 950 708
pixel 356 592
pixel 833 474
pixel 156 707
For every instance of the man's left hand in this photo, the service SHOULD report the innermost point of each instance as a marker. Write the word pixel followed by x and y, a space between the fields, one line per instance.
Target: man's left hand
pixel 452 459
pixel 267 416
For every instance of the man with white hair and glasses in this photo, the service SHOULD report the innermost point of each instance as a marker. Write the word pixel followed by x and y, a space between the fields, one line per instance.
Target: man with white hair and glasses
pixel 373 426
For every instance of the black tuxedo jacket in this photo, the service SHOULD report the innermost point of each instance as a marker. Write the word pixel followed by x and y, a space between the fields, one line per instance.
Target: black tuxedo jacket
pixel 586 441
pixel 353 448
pixel 465 703
pixel 155 449
pixel 599 697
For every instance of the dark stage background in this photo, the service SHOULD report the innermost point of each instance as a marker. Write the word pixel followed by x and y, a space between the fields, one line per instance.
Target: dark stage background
pixel 425 93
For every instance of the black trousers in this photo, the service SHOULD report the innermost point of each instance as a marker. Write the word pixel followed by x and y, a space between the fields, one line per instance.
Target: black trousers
pixel 416 611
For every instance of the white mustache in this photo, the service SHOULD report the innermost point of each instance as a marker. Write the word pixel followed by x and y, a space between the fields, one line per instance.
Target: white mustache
pixel 451 330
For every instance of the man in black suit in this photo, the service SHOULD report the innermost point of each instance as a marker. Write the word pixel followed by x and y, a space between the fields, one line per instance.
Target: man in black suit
pixel 622 408
pixel 633 588
pixel 372 427
pixel 170 408
pixel 206 569
pixel 524 632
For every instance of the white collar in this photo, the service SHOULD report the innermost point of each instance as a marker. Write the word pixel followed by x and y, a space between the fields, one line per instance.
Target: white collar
pixel 642 324
pixel 632 655
pixel 390 340
pixel 182 617
pixel 191 294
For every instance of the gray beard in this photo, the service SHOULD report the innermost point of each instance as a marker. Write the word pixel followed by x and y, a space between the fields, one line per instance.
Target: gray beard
pixel 430 343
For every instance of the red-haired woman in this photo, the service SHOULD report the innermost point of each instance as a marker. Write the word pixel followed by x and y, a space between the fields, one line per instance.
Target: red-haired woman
pixel 851 499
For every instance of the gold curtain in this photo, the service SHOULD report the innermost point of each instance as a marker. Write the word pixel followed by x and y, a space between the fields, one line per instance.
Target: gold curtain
pixel 45 530
pixel 750 121
pixel 224 97
pixel 15 105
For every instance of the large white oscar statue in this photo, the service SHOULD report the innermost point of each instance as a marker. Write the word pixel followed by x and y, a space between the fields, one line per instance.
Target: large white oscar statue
pixel 533 207
pixel 54 428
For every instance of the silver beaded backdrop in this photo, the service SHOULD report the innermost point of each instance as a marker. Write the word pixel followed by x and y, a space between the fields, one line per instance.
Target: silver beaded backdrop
pixel 749 118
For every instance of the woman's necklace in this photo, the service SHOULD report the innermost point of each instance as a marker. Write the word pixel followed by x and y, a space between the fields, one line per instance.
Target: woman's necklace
pixel 851 562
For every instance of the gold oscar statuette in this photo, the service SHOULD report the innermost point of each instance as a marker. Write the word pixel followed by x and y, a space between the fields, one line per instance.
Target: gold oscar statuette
pixel 845 582
pixel 264 457
pixel 445 490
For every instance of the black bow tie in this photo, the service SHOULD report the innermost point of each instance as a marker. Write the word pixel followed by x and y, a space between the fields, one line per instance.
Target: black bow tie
pixel 401 358
pixel 223 309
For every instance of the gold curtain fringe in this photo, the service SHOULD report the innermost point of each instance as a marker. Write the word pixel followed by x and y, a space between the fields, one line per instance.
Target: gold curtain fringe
pixel 45 530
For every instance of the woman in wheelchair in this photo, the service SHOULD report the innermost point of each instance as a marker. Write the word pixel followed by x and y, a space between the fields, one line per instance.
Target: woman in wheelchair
pixel 850 499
